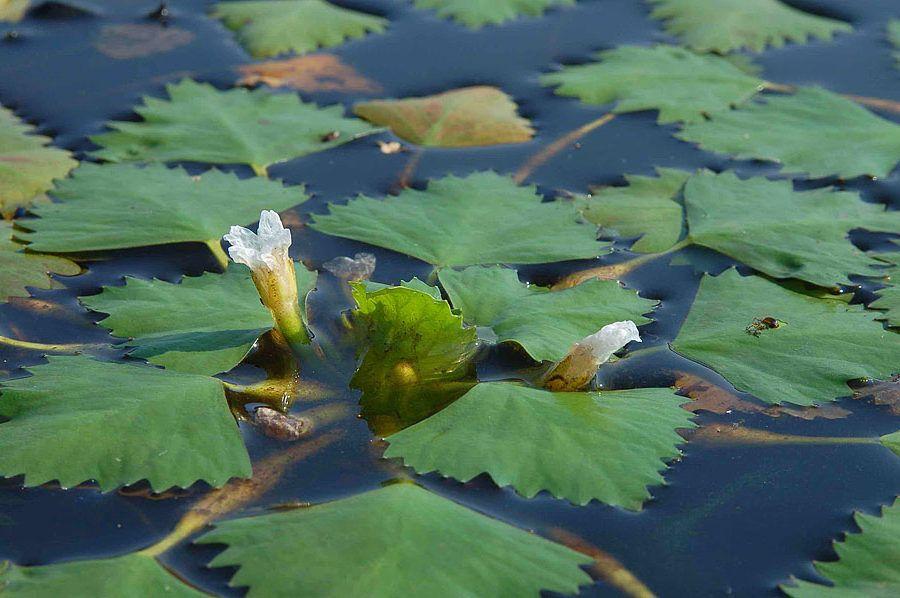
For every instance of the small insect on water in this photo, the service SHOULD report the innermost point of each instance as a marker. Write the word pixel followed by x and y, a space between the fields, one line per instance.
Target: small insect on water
pixel 760 324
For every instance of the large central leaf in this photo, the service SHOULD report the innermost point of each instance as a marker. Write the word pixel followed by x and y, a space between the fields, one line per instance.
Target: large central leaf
pixel 812 131
pixel 389 543
pixel 418 356
pixel 682 85
pixel 122 205
pixel 272 27
pixel 470 116
pixel 818 345
pixel 544 323
pixel 19 270
pixel 579 446
pixel 726 25
pixel 483 218
pixel 203 325
pixel 76 419
pixel 868 565
pixel 201 124
pixel 27 165
pixel 477 13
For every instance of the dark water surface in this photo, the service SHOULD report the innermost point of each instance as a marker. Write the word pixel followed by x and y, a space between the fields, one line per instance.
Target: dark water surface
pixel 731 520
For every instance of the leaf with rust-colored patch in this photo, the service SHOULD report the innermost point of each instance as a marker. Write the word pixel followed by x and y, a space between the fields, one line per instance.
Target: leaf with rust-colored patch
pixel 137 40
pixel 321 72
pixel 469 116
pixel 27 165
pixel 12 11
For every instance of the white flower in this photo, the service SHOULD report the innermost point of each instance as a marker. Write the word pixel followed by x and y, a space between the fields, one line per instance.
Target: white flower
pixel 263 249
pixel 352 269
pixel 609 339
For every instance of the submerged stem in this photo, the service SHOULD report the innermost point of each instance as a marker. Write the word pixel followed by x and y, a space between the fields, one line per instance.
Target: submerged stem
pixel 260 170
pixel 615 271
pixel 215 246
pixel 737 435
pixel 557 146
pixel 64 348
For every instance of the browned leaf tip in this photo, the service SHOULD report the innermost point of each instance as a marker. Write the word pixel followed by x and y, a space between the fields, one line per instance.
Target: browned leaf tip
pixel 137 40
pixel 319 72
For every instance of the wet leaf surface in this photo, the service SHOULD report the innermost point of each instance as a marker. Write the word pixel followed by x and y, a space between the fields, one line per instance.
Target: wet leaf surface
pixel 117 424
pixel 458 118
pixel 609 446
pixel 379 543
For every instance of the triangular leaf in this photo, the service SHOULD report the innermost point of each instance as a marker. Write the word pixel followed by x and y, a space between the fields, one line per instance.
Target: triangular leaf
pixel 813 131
pixel 121 205
pixel 271 27
pixel 477 13
pixel 726 25
pixel 462 117
pixel 483 218
pixel 544 323
pixel 378 544
pixel 868 564
pixel 579 446
pixel 202 124
pixel 646 208
pixel 76 419
pixel 19 270
pixel 814 348
pixel 27 164
pixel 418 355
pixel 134 575
pixel 203 325
pixel 682 85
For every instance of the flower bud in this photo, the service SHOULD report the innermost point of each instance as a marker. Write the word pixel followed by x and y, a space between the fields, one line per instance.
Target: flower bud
pixel 576 370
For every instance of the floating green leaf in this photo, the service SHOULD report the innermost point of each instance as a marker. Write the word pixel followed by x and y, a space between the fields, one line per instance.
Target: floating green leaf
pixel 76 419
pixel 418 356
pixel 477 13
pixel 203 325
pixel 122 205
pixel 646 208
pixel 483 218
pixel 889 297
pixel 136 575
pixel 27 164
pixel 868 564
pixel 892 441
pixel 202 124
pixel 271 27
pixel 813 131
pixel 682 85
pixel 579 446
pixel 470 116
pixel 544 323
pixel 378 544
pixel 817 346
pixel 726 25
pixel 19 270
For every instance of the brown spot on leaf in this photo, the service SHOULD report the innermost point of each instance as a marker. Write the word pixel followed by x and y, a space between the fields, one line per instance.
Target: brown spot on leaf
pixel 137 40
pixel 320 72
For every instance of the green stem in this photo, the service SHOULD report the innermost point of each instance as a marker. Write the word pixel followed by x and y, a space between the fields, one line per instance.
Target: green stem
pixel 215 246
pixel 615 271
pixel 64 348
pixel 260 170
pixel 738 435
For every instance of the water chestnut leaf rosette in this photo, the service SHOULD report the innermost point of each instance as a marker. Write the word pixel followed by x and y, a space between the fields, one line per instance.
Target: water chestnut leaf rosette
pixel 483 218
pixel 118 206
pixel 117 424
pixel 199 123
pixel 28 164
pixel 477 13
pixel 542 322
pixel 579 446
pixel 764 224
pixel 814 347
pixel 271 27
pixel 20 271
pixel 472 116
pixel 867 561
pixel 727 25
pixel 681 85
pixel 379 543
pixel 202 325
pixel 812 131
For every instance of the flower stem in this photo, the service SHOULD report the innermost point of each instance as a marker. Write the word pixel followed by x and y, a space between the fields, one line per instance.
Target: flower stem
pixel 738 435
pixel 615 271
pixel 260 170
pixel 215 246
pixel 64 348
pixel 557 146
